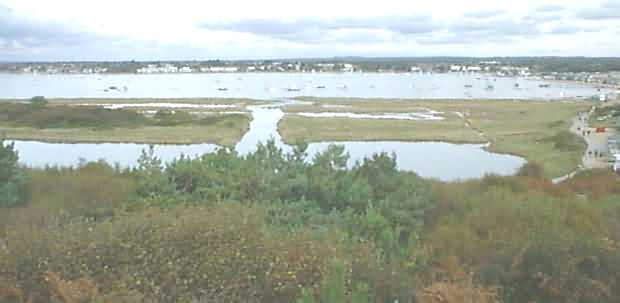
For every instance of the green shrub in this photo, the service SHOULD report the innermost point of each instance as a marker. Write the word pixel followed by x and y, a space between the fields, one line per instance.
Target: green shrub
pixel 567 141
pixel 12 178
pixel 38 102
pixel 531 169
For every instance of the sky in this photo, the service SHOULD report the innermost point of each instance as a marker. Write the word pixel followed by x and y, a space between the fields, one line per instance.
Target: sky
pixel 112 30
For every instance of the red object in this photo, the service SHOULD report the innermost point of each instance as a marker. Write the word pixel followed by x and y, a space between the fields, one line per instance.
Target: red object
pixel 600 129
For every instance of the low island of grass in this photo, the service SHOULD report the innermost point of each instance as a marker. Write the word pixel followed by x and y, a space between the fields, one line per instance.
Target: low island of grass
pixel 535 130
pixel 61 121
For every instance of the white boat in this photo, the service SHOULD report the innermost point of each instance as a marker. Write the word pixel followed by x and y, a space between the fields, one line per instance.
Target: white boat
pixel 342 86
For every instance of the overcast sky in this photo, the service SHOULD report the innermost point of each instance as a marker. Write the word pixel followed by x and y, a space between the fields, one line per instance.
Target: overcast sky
pixel 234 29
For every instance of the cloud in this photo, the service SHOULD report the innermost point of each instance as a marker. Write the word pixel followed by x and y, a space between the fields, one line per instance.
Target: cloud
pixel 472 28
pixel 16 32
pixel 502 30
pixel 566 29
pixel 552 8
pixel 607 11
pixel 314 29
pixel 485 14
pixel 544 17
pixel 493 28
pixel 439 28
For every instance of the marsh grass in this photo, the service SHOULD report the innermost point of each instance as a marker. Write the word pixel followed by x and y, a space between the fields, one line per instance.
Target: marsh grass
pixel 64 123
pixel 532 129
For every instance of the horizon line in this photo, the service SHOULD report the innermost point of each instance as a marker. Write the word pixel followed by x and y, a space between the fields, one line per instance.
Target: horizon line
pixel 307 59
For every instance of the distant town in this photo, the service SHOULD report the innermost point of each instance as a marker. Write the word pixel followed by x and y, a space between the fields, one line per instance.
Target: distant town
pixel 597 71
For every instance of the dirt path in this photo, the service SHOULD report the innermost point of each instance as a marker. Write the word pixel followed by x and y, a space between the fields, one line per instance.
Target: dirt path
pixel 468 124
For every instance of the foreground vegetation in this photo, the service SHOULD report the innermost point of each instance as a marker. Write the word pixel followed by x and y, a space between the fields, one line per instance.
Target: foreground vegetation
pixel 270 227
pixel 40 120
pixel 535 130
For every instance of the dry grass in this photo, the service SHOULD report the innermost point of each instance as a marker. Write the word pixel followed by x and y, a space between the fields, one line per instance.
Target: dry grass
pixel 226 132
pixel 294 128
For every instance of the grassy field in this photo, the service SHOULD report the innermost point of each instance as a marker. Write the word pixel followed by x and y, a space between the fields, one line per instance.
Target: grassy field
pixel 296 128
pixel 226 132
pixel 528 129
pixel 58 121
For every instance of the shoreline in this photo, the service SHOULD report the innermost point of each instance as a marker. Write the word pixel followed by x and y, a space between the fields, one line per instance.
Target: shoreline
pixel 586 84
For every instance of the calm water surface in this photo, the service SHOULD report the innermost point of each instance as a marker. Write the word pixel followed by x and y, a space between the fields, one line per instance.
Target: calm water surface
pixel 438 160
pixel 282 85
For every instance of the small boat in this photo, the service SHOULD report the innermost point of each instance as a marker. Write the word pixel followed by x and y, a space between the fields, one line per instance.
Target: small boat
pixel 490 87
pixel 113 88
pixel 222 89
pixel 516 85
pixel 319 86
pixel 544 85
pixel 293 88
pixel 468 86
pixel 342 86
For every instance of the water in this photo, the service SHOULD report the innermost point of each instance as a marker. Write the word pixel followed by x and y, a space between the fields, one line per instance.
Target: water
pixel 439 160
pixel 41 154
pixel 269 86
pixel 443 161
pixel 264 126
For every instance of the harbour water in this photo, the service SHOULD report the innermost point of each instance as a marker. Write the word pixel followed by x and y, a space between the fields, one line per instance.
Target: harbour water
pixel 269 86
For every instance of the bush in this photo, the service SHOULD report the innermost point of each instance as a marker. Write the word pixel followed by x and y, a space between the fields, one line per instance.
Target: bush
pixel 558 273
pixel 501 223
pixel 567 141
pixel 531 169
pixel 38 102
pixel 12 178
pixel 221 254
